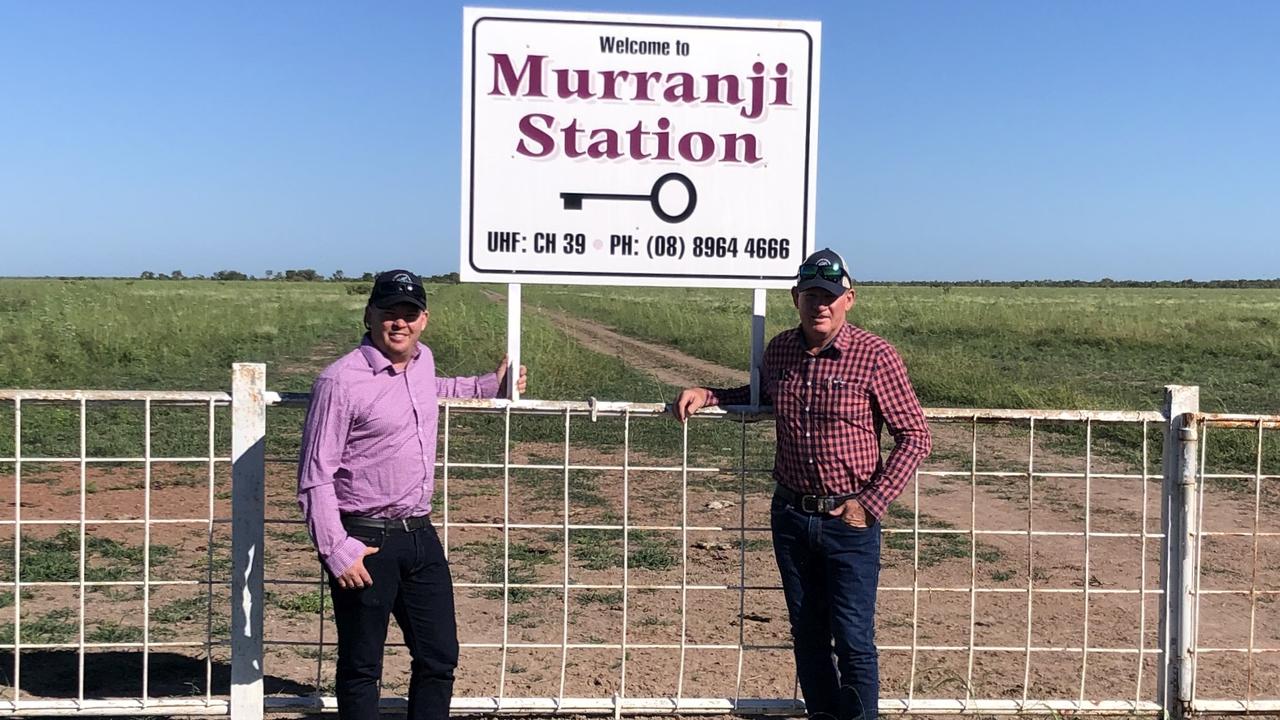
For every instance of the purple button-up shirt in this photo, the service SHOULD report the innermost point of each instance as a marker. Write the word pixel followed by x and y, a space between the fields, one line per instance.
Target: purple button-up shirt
pixel 369 443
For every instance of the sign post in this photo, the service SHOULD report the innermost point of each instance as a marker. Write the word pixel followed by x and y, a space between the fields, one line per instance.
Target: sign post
pixel 607 149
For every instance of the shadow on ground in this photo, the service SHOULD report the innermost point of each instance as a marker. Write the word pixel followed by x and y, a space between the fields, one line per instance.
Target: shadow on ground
pixel 54 674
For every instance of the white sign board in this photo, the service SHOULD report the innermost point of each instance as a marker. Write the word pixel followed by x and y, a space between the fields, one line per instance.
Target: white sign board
pixel 637 150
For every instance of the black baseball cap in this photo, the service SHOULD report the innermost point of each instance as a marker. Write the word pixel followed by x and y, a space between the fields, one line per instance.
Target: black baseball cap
pixel 398 286
pixel 824 269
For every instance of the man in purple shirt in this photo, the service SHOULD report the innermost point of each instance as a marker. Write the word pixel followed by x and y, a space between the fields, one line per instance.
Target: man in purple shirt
pixel 366 475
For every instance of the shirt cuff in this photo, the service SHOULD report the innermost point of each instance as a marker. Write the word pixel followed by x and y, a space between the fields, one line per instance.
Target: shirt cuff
pixel 341 560
pixel 872 502
pixel 487 385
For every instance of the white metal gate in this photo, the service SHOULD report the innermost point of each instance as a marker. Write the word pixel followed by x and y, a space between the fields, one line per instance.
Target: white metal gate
pixel 1044 562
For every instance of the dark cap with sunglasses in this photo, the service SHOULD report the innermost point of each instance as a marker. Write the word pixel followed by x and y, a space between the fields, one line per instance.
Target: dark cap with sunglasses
pixel 398 286
pixel 826 270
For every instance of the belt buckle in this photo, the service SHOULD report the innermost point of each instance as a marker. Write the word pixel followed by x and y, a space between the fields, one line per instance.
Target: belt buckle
pixel 805 503
pixel 404 522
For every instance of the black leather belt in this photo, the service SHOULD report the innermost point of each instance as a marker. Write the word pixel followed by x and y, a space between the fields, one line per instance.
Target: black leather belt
pixel 811 503
pixel 389 525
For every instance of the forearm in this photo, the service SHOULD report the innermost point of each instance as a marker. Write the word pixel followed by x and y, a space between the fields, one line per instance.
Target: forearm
pixel 728 396
pixel 910 449
pixel 478 386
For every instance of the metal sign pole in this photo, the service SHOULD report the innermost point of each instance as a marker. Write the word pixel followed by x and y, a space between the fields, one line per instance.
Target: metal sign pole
pixel 513 340
pixel 757 343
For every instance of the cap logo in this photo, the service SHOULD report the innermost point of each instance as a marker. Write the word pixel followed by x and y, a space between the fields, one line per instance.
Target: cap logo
pixel 402 277
pixel 822 262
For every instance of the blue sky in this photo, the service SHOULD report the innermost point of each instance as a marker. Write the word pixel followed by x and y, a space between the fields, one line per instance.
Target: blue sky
pixel 958 140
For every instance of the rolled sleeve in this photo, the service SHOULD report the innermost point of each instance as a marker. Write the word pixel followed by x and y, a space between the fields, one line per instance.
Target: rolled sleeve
pixel 479 386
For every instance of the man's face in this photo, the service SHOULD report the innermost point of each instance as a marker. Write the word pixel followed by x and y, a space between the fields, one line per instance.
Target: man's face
pixel 821 313
pixel 395 330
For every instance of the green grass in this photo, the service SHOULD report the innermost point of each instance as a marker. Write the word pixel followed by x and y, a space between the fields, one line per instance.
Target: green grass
pixel 6 597
pixel 975 347
pixel 295 536
pixel 148 334
pixel 181 610
pixel 313 653
pixel 935 548
pixel 57 558
pixel 523 618
pixel 55 626
pixel 1106 348
pixel 112 632
pixel 299 604
pixel 999 347
pixel 599 597
pixel 522 569
pixel 597 549
pixel 1083 348
pixel 584 487
pixel 157 335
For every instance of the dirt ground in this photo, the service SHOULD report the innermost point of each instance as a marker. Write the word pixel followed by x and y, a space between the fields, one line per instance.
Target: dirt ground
pixel 681 588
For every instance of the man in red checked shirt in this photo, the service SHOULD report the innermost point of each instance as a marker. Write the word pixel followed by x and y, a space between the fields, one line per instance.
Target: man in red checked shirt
pixel 833 387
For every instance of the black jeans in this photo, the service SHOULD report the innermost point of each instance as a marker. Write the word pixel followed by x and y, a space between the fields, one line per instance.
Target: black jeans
pixel 411 579
pixel 830 572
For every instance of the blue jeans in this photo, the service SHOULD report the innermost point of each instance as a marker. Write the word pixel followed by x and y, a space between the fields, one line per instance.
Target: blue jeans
pixel 830 571
pixel 410 579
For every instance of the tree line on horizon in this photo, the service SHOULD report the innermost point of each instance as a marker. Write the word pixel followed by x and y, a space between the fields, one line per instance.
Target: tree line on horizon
pixel 311 275
pixel 295 275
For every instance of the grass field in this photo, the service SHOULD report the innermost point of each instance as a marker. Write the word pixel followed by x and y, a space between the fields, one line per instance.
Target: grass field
pixel 969 347
pixel 125 334
pixel 965 347
pixel 1001 347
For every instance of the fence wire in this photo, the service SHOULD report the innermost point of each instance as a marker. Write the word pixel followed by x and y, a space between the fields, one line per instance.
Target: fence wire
pixel 1021 573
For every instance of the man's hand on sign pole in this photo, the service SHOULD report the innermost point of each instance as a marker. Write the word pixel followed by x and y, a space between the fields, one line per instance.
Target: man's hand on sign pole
pixel 522 381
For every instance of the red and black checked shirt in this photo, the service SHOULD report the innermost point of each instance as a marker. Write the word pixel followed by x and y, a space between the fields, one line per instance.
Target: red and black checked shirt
pixel 829 410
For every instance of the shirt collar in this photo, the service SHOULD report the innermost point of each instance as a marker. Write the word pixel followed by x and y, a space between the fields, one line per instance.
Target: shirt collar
pixel 378 362
pixel 843 339
pixel 838 345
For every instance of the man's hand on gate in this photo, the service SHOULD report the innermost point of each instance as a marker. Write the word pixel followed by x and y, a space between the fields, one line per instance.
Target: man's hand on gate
pixel 852 513
pixel 356 576
pixel 689 402
pixel 521 383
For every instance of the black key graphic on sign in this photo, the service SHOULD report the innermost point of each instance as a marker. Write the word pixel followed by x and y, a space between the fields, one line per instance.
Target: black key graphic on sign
pixel 573 200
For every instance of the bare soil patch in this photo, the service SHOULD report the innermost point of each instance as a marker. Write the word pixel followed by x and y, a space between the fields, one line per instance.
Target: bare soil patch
pixel 727 546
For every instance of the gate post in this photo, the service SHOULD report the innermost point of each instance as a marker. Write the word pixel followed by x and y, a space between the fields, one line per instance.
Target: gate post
pixel 1179 523
pixel 248 480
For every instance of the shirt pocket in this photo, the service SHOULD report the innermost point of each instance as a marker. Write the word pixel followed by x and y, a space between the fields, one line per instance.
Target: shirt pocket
pixel 837 398
pixel 827 392
pixel 788 388
pixel 788 400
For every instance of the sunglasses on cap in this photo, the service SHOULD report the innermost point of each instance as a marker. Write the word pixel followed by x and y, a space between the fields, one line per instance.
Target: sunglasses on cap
pixel 393 287
pixel 833 272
